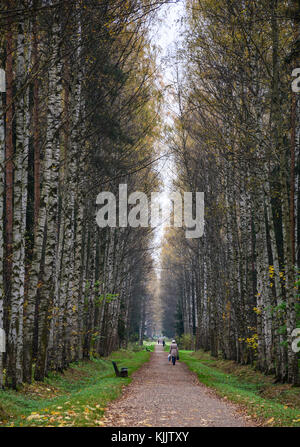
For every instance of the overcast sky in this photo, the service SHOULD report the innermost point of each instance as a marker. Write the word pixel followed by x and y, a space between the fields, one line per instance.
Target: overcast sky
pixel 165 34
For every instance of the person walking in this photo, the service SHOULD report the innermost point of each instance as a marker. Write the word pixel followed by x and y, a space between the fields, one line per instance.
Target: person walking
pixel 174 352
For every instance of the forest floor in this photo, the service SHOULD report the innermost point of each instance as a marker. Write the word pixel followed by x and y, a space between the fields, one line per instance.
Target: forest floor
pixel 198 391
pixel 76 398
pixel 269 403
pixel 164 395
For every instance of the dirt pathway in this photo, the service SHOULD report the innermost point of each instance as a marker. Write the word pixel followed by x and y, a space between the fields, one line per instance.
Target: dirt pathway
pixel 163 395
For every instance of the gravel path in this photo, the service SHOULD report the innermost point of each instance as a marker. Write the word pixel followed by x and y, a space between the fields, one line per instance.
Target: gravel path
pixel 163 395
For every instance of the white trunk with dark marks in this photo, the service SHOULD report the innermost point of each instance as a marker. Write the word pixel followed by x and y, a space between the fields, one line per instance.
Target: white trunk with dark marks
pixel 51 178
pixel 2 158
pixel 15 334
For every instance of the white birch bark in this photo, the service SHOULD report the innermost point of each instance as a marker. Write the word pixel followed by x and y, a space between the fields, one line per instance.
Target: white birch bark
pixel 15 334
pixel 74 195
pixel 2 158
pixel 51 177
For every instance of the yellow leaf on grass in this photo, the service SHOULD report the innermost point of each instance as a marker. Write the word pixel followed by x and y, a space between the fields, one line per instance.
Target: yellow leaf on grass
pixel 33 416
pixel 99 422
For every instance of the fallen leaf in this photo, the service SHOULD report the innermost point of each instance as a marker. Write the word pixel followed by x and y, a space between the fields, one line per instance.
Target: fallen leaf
pixel 269 421
pixel 33 416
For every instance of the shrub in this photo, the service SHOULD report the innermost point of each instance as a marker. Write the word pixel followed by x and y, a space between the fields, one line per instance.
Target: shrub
pixel 186 342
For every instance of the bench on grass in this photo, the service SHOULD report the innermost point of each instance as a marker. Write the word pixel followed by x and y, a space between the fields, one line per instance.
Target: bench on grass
pixel 122 373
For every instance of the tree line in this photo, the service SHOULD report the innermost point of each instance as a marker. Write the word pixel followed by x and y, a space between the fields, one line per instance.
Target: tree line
pixel 79 112
pixel 235 291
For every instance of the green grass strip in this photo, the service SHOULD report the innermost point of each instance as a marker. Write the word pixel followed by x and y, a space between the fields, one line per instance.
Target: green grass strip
pixel 246 391
pixel 76 398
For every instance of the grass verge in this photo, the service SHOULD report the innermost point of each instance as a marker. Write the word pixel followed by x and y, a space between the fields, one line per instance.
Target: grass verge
pixel 269 403
pixel 76 398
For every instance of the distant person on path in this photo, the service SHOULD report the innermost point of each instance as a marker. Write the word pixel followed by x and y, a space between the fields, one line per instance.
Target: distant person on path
pixel 174 351
pixel 158 341
pixel 164 343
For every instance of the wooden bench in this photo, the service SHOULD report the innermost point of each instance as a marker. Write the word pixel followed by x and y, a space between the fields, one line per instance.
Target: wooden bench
pixel 122 373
